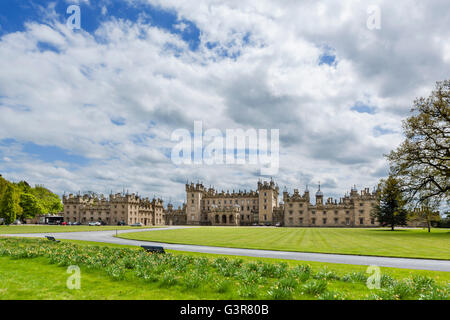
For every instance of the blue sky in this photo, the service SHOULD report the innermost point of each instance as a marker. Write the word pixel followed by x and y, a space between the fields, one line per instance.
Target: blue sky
pixel 94 109
pixel 14 14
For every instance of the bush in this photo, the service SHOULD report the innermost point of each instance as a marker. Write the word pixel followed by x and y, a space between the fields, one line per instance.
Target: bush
pixel 422 283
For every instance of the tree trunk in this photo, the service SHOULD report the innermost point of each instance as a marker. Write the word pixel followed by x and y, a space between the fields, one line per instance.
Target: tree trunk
pixel 392 227
pixel 429 225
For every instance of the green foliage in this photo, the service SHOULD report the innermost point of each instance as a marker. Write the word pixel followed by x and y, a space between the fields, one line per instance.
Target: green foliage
pixel 30 206
pixel 421 162
pixel 163 271
pixel 315 287
pixel 390 209
pixel 9 205
pixel 28 201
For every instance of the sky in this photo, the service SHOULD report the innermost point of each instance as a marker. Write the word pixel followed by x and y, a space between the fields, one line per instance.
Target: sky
pixel 93 109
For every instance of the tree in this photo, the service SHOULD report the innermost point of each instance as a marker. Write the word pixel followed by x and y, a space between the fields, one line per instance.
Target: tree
pixel 422 160
pixel 30 206
pixel 390 209
pixel 9 206
pixel 427 213
pixel 49 202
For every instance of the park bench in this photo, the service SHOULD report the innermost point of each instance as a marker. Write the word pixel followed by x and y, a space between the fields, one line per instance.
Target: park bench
pixel 153 249
pixel 50 238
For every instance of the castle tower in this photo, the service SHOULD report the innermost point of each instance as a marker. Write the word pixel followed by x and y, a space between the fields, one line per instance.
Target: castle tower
pixel 268 199
pixel 319 197
pixel 194 195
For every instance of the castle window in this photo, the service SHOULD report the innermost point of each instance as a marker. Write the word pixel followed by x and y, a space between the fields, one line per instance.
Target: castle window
pixel 361 211
pixel 335 212
pixel 192 195
pixel 324 212
pixel 361 204
pixel 291 221
pixel 335 220
pixel 361 220
pixel 324 220
pixel 372 221
pixel 347 212
pixel 265 207
pixel 300 211
pixel 313 221
pixel 290 205
pixel 192 200
pixel 265 194
pixel 347 221
pixel 300 220
pixel 313 212
pixel 290 211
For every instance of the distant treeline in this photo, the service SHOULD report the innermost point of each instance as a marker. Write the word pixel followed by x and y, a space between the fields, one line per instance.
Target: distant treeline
pixel 21 201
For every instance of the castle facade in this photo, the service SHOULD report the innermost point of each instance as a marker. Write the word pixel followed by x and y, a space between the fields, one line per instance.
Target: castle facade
pixel 118 208
pixel 261 207
pixel 207 206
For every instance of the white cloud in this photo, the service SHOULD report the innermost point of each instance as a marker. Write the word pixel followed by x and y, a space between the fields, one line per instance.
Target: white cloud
pixel 148 78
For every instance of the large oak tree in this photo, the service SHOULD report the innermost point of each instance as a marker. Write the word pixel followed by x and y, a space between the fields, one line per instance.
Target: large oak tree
pixel 422 161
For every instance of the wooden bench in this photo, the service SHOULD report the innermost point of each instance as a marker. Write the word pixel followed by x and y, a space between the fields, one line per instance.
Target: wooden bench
pixel 153 249
pixel 52 238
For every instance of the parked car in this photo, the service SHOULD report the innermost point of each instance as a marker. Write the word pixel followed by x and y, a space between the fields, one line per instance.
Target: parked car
pixel 95 223
pixel 103 223
pixel 64 223
pixel 121 223
pixel 137 224
pixel 76 223
pixel 278 224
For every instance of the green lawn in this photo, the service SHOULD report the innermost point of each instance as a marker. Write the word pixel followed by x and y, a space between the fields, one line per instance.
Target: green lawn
pixel 55 229
pixel 412 243
pixel 36 269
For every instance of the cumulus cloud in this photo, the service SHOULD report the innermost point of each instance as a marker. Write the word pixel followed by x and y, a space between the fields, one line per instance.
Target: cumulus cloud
pixel 115 95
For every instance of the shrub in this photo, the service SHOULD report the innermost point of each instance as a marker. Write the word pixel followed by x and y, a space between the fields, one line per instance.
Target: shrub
pixel 115 272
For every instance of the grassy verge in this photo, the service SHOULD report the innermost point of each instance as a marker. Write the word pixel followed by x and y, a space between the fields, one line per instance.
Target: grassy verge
pixel 56 229
pixel 408 243
pixel 36 269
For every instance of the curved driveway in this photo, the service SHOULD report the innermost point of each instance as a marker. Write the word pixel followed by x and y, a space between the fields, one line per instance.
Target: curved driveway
pixel 108 237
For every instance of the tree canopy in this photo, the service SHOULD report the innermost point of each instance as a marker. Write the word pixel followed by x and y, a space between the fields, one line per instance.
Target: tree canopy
pixel 422 161
pixel 21 201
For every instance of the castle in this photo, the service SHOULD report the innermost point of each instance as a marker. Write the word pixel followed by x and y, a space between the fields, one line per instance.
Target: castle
pixel 206 206
pixel 261 207
pixel 120 208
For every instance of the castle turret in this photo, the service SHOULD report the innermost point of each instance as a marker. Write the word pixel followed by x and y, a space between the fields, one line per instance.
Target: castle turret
pixel 319 196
